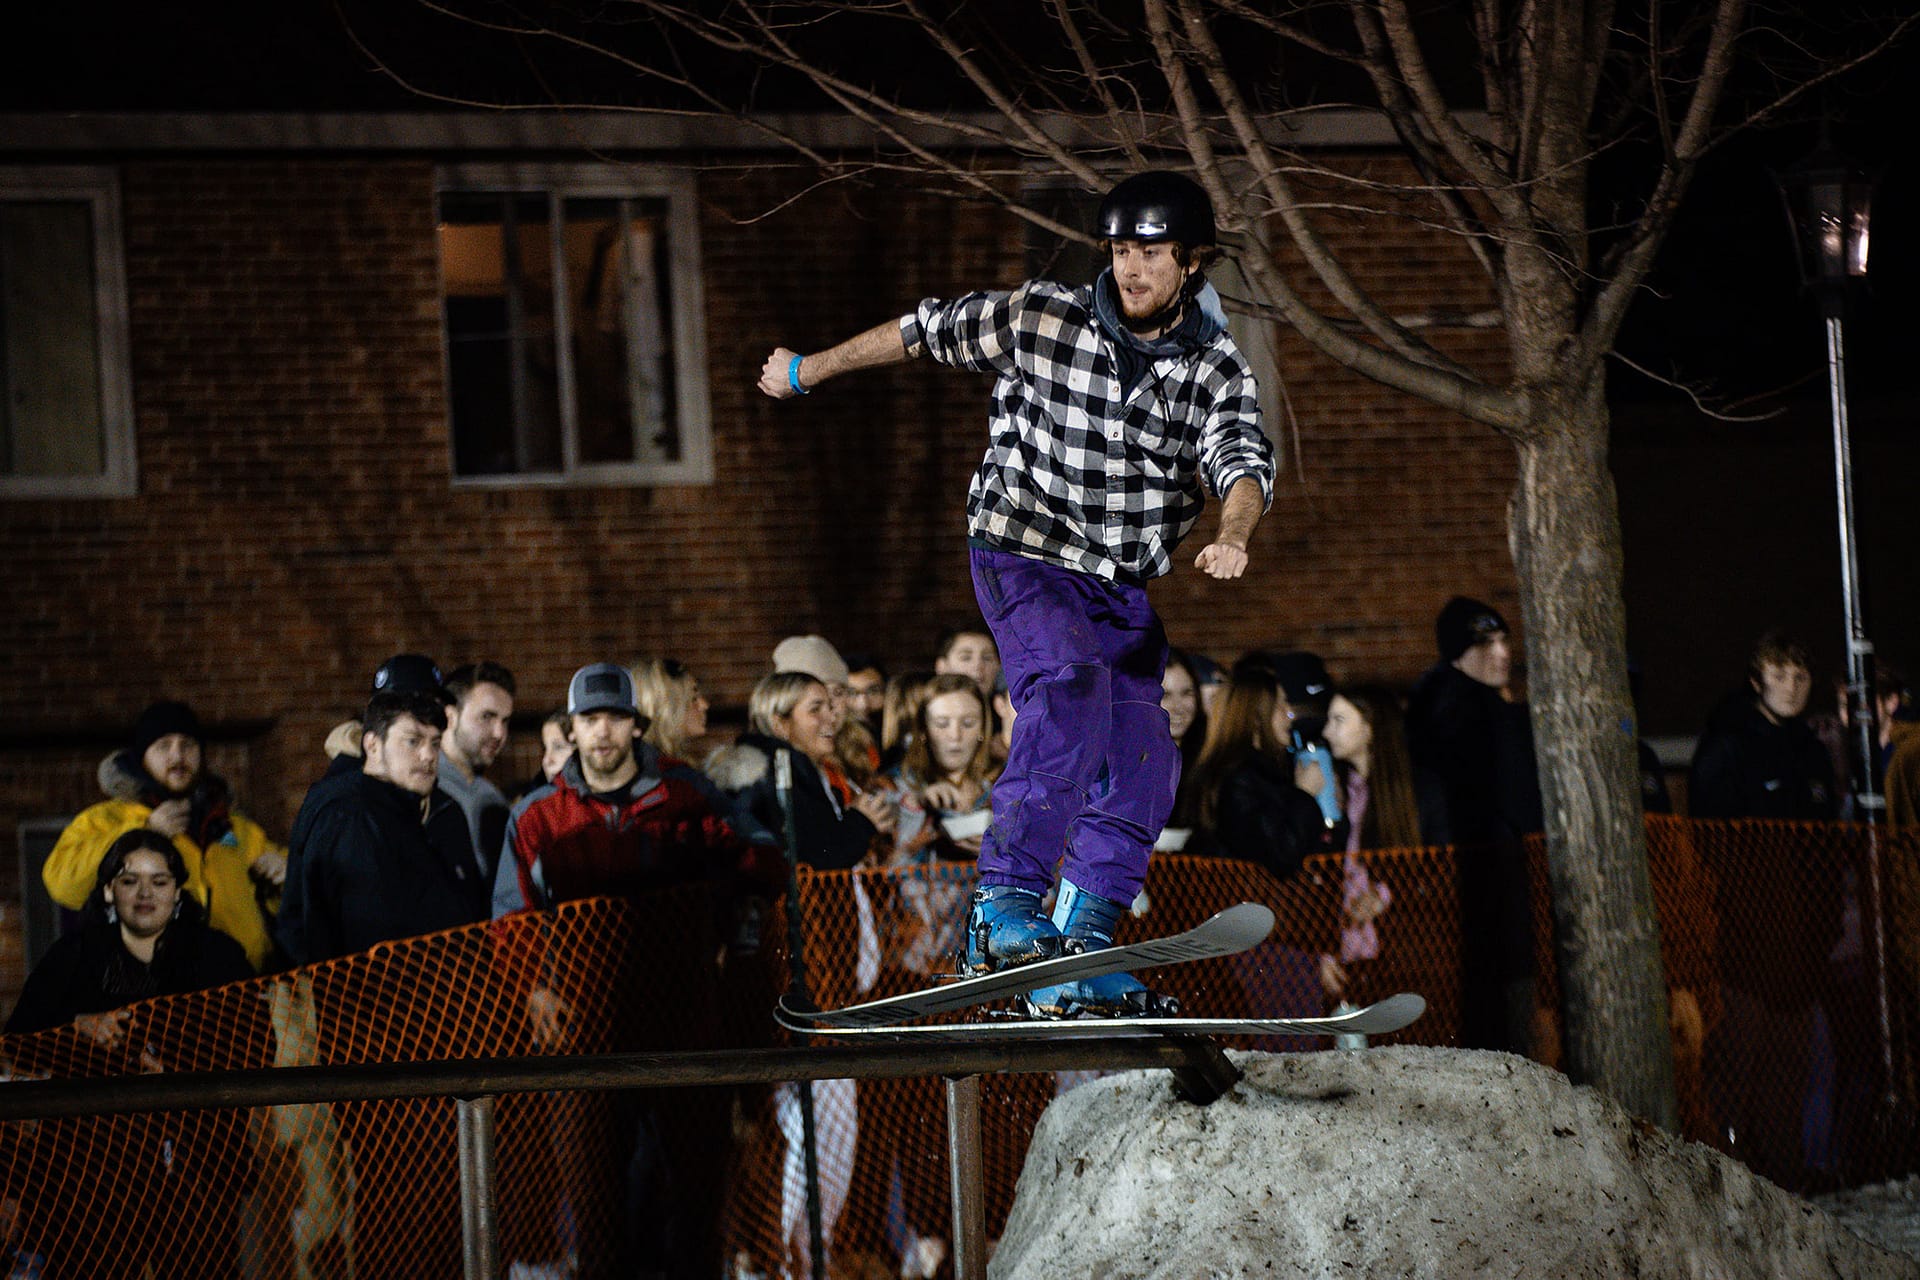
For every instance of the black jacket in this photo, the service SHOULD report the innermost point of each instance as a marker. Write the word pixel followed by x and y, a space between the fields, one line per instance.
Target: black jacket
pixel 830 838
pixel 1780 904
pixel 1480 746
pixel 1749 767
pixel 364 866
pixel 1261 817
pixel 90 971
pixel 337 781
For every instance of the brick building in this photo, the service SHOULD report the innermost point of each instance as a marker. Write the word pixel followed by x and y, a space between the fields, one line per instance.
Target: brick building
pixel 333 423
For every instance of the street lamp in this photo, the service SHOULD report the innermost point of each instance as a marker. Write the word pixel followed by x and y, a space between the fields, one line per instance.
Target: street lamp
pixel 1829 202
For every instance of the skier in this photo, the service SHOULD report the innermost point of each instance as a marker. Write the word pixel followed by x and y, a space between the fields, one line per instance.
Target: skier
pixel 1112 404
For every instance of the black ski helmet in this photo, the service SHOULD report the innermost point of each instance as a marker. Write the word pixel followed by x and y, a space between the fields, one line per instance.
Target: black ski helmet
pixel 1157 205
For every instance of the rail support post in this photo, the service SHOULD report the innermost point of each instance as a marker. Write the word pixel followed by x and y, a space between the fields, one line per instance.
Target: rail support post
pixel 1207 1073
pixel 479 1226
pixel 968 1170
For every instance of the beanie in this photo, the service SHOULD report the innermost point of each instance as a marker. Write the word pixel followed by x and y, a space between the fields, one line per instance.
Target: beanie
pixel 1463 623
pixel 161 719
pixel 812 655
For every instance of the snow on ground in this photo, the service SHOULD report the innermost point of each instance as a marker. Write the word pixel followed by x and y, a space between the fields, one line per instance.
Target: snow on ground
pixel 1414 1162
pixel 1888 1214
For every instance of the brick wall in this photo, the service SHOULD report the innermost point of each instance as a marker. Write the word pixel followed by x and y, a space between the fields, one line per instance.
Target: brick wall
pixel 295 524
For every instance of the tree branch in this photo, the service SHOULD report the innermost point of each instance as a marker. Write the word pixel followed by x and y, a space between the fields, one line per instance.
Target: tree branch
pixel 1324 262
pixel 1460 146
pixel 1448 389
pixel 1407 125
pixel 1718 414
pixel 1629 267
pixel 1036 137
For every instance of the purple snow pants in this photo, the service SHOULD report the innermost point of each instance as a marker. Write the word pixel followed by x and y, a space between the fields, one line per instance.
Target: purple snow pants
pixel 1083 659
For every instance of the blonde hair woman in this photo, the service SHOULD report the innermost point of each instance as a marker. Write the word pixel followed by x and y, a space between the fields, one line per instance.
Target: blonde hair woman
pixel 669 697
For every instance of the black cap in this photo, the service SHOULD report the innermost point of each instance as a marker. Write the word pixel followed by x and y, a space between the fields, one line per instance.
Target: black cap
pixel 1301 676
pixel 1205 670
pixel 161 719
pixel 1157 205
pixel 407 673
pixel 1463 623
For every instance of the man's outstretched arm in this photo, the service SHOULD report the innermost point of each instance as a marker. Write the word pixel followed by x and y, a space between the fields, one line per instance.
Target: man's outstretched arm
pixel 1226 555
pixel 878 346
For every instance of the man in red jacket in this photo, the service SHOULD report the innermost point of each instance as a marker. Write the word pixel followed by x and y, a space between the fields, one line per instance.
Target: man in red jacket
pixel 620 820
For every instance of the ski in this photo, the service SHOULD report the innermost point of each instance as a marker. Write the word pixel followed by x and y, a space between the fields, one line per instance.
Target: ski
pixel 1238 928
pixel 1381 1018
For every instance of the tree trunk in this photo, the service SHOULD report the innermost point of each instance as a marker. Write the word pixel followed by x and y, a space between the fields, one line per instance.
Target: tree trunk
pixel 1564 526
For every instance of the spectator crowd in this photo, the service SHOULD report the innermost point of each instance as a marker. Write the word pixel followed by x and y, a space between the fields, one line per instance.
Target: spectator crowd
pixel 410 829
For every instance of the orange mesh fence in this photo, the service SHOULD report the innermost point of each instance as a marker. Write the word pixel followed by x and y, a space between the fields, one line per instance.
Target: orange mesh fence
pixel 1779 940
pixel 1785 912
pixel 371 1189
pixel 1790 960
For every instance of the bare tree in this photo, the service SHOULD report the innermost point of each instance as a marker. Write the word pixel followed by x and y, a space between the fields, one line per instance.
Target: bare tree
pixel 1554 86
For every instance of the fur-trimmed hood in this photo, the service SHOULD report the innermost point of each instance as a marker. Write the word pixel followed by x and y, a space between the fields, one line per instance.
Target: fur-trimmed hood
pixel 742 765
pixel 121 776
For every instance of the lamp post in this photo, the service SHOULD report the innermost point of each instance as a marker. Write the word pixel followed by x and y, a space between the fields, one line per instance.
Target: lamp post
pixel 1829 202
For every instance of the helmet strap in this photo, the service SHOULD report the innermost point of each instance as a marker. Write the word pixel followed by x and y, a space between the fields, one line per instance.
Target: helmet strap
pixel 1163 321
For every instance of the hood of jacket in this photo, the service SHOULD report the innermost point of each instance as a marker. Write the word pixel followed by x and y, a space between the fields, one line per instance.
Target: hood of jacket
pixel 393 801
pixel 573 776
pixel 1201 321
pixel 1739 713
pixel 210 802
pixel 749 762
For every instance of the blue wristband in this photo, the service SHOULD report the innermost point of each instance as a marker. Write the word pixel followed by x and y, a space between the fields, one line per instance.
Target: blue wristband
pixel 793 376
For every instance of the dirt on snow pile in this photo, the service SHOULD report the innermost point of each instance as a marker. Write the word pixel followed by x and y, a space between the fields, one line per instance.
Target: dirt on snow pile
pixel 1397 1162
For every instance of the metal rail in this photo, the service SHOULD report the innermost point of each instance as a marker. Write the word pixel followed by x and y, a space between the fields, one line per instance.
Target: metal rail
pixel 23 1099
pixel 1201 1073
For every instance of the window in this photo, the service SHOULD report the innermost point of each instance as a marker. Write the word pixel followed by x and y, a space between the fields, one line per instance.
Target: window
pixel 66 412
pixel 575 326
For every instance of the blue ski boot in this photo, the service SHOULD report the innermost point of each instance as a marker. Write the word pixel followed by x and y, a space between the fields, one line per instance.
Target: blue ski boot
pixel 1006 926
pixel 1088 922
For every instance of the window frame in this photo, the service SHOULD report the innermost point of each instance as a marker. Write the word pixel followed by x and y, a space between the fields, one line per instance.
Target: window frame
pixel 686 292
pixel 99 186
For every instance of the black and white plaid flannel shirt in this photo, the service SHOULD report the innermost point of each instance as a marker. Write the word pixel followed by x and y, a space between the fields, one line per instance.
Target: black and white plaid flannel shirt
pixel 1078 474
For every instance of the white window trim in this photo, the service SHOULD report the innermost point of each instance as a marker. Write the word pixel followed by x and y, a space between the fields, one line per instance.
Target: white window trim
pixel 688 291
pixel 100 188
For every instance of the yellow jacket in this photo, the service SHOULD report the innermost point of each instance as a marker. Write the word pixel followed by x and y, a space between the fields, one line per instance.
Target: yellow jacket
pixel 218 877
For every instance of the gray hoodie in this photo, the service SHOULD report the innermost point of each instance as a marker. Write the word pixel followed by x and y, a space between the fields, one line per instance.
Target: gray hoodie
pixel 486 809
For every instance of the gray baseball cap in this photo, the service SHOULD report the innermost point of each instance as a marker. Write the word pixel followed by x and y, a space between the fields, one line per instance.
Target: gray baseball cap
pixel 603 686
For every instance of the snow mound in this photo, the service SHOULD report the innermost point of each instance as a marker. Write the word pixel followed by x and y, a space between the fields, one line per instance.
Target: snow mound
pixel 1412 1162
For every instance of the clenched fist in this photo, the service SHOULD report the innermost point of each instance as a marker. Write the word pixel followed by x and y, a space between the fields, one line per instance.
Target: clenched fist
pixel 774 379
pixel 1221 560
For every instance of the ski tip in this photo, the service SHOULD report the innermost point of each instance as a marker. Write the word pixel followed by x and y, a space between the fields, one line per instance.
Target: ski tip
pixel 785 1012
pixel 1243 919
pixel 1395 1012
